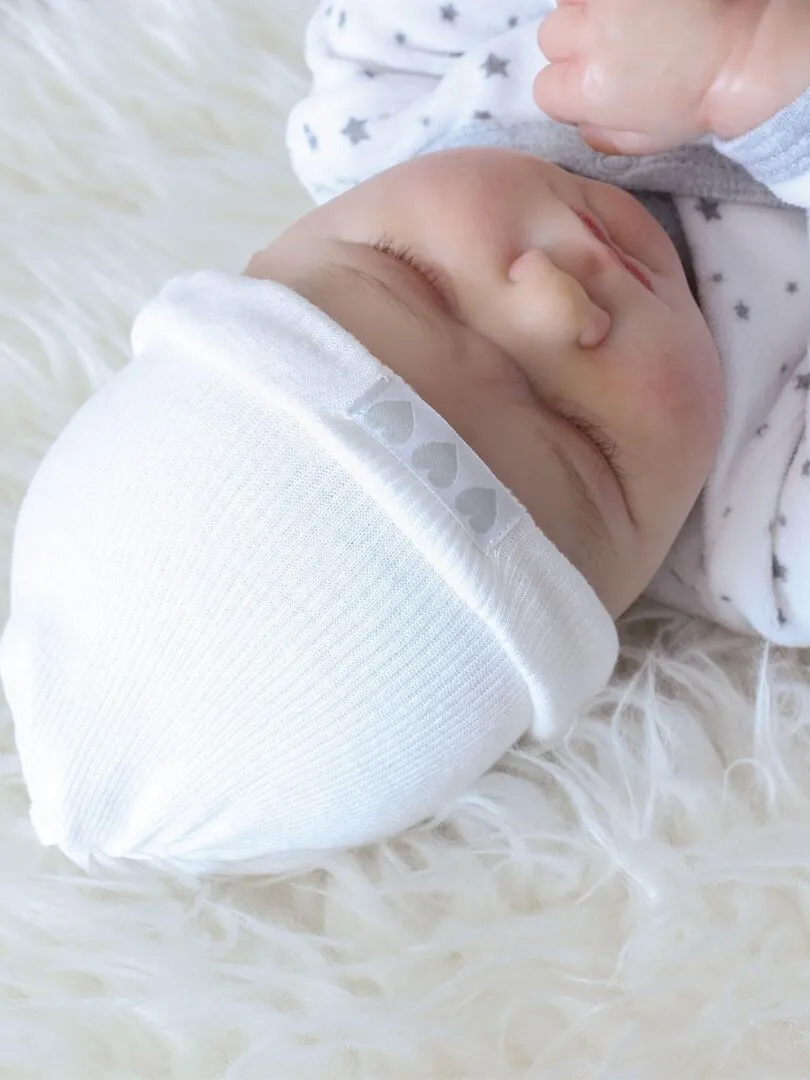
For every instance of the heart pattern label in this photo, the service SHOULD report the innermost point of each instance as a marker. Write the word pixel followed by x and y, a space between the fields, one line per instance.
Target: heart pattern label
pixel 480 506
pixel 422 440
pixel 439 460
pixel 392 419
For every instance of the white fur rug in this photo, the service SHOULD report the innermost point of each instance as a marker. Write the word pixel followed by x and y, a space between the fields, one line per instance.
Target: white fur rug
pixel 636 906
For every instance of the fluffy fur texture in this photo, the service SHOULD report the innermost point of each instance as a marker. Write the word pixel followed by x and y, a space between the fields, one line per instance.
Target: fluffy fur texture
pixel 634 906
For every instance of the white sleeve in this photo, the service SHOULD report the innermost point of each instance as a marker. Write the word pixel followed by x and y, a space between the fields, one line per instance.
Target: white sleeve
pixel 778 470
pixel 376 67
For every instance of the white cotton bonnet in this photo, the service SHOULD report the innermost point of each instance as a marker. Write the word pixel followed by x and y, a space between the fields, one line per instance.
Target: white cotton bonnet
pixel 266 602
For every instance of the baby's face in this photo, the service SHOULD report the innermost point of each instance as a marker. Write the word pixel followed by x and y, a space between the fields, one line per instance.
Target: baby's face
pixel 548 319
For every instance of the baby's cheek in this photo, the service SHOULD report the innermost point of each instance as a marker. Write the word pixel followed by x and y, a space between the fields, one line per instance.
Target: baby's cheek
pixel 681 397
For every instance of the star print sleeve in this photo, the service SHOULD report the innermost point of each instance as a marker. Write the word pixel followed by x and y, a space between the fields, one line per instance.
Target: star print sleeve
pixel 758 554
pixel 390 78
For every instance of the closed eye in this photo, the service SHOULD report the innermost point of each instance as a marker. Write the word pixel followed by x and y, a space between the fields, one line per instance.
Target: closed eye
pixel 602 441
pixel 429 274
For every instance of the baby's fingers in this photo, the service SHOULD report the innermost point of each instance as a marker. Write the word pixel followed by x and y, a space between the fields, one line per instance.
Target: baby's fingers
pixel 557 91
pixel 562 33
pixel 633 143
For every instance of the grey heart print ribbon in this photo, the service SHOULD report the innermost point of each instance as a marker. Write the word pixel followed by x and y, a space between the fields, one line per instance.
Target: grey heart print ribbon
pixel 422 440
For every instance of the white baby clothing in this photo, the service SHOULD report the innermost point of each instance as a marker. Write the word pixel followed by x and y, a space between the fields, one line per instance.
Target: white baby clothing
pixel 392 81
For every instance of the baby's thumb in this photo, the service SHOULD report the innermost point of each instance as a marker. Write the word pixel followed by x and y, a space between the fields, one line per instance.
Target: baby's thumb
pixel 609 141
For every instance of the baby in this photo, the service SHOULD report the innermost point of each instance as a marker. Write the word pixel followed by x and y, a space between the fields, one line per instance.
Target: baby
pixel 351 525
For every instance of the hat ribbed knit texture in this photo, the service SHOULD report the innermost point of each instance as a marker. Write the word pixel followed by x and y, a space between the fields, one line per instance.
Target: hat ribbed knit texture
pixel 265 602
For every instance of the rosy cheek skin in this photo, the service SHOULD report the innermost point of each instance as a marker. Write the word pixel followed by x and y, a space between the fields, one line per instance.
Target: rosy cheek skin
pixel 678 404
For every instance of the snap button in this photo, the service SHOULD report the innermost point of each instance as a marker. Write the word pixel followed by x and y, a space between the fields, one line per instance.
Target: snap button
pixel 614 165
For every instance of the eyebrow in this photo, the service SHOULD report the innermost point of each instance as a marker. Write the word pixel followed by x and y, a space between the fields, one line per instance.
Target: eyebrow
pixel 587 503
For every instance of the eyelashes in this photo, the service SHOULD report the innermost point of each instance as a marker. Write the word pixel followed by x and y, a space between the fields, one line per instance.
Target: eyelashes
pixel 602 441
pixel 403 254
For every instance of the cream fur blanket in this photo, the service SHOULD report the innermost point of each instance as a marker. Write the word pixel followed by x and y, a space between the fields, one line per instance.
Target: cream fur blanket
pixel 636 906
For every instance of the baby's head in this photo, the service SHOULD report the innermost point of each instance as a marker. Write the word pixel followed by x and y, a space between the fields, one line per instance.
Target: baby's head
pixel 336 539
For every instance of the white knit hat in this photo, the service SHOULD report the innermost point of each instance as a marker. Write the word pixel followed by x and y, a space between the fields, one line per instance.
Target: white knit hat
pixel 266 602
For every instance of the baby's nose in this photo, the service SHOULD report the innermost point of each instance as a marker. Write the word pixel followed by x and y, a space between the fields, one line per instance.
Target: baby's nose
pixel 553 304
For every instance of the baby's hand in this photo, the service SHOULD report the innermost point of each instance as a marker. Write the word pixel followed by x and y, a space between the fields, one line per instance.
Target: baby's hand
pixel 642 76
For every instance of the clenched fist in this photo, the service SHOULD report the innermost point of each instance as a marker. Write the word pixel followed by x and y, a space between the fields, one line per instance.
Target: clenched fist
pixel 642 76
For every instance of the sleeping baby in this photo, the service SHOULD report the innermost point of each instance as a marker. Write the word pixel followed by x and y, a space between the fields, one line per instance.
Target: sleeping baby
pixel 353 523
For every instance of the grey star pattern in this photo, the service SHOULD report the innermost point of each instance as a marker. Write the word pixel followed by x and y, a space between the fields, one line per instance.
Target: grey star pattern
pixel 725 599
pixel 342 19
pixel 803 382
pixel 710 208
pixel 727 512
pixel 425 121
pixel 783 369
pixel 781 617
pixel 355 130
pixel 743 310
pixel 806 468
pixel 792 287
pixel 717 278
pixel 400 38
pixel 761 430
pixel 778 570
pixel 512 22
pixel 677 577
pixel 449 13
pixel 312 138
pixel 495 65
pixel 328 11
pixel 369 74
pixel 482 114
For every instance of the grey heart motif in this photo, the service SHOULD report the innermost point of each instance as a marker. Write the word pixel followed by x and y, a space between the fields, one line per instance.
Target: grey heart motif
pixel 480 505
pixel 392 419
pixel 439 459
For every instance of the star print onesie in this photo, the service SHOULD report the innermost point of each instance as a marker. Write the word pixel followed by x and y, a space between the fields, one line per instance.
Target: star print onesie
pixel 395 80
